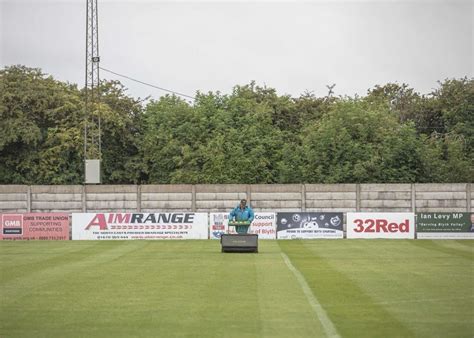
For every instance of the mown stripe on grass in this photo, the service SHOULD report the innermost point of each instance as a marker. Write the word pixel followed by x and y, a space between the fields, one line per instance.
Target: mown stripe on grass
pixel 329 328
pixel 440 247
pixel 30 281
pixel 178 288
pixel 31 257
pixel 467 243
pixel 226 294
pixel 395 273
pixel 350 308
pixel 284 309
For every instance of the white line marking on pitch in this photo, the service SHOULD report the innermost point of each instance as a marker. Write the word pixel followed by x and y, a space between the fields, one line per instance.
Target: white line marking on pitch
pixel 328 326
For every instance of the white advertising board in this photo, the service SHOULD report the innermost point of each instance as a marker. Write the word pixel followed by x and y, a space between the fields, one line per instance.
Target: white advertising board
pixel 264 225
pixel 121 226
pixel 381 225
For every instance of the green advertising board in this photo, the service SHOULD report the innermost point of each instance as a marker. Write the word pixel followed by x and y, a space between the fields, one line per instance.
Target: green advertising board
pixel 445 225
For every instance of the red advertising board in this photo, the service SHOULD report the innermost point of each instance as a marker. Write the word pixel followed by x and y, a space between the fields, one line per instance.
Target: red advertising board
pixel 34 226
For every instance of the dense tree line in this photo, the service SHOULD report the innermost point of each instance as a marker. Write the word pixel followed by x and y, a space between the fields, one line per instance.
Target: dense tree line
pixel 252 135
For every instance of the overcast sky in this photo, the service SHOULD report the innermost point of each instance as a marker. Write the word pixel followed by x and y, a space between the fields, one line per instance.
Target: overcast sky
pixel 208 46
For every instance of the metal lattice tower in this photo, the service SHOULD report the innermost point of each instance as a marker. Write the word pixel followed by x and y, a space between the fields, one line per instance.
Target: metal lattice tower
pixel 92 128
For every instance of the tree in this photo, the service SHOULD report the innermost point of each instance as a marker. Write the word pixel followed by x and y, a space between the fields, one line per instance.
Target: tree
pixel 252 135
pixel 40 141
pixel 360 141
pixel 456 103
pixel 41 130
pixel 221 139
pixel 166 133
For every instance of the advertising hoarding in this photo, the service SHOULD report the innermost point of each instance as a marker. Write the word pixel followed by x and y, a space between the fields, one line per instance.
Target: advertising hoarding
pixel 381 225
pixel 445 225
pixel 263 225
pixel 122 226
pixel 35 226
pixel 309 225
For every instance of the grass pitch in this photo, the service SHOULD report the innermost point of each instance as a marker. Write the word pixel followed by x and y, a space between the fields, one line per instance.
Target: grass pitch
pixel 366 288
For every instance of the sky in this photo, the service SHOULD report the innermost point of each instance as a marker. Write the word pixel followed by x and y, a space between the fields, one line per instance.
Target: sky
pixel 294 47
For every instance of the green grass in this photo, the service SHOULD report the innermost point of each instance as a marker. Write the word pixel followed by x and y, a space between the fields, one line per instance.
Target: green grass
pixel 368 288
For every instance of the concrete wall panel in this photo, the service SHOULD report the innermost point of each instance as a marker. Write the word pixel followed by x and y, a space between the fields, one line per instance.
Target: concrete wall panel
pixel 330 187
pixel 182 196
pixel 346 204
pixel 257 196
pixel 330 195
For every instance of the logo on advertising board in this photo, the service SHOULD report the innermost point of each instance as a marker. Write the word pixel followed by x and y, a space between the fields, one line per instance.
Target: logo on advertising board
pixel 12 225
pixel 306 225
pixel 381 225
pixel 218 225
pixel 35 226
pixel 118 221
pixel 445 225
pixel 139 226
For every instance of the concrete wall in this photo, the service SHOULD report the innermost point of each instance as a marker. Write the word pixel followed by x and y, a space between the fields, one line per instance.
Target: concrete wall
pixel 15 198
pixel 110 198
pixel 210 198
pixel 165 197
pixel 386 197
pixel 56 198
pixel 218 197
pixel 443 197
pixel 331 197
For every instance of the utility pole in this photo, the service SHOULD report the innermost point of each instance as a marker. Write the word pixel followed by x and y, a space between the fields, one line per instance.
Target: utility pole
pixel 92 128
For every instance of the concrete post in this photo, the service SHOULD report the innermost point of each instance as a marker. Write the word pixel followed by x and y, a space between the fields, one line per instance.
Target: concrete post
pixel 84 200
pixel 303 197
pixel 28 199
pixel 468 196
pixel 358 197
pixel 139 198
